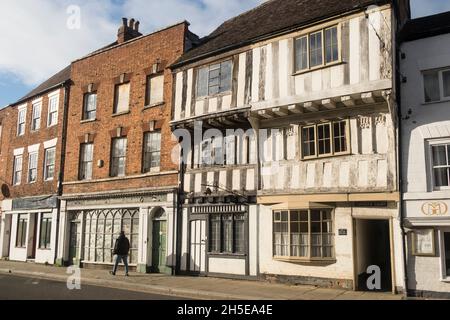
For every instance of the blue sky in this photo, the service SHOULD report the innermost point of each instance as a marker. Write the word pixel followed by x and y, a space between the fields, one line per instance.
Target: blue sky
pixel 39 44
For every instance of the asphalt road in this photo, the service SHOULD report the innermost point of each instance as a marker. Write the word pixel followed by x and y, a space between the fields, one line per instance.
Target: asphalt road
pixel 21 288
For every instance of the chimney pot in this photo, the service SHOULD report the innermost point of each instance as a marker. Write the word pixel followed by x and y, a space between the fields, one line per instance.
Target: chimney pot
pixel 132 24
pixel 136 26
pixel 125 21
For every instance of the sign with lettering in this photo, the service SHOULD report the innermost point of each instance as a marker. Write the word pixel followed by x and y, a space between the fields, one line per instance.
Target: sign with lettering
pixel 343 232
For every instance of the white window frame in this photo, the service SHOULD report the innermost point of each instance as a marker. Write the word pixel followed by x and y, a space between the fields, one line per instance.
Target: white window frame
pixel 308 51
pixel 332 146
pixel 19 181
pixel 36 104
pixel 444 277
pixel 46 164
pixel 82 176
pixel 124 156
pixel 431 144
pixel 30 168
pixel 440 72
pixel 52 97
pixel 86 104
pixel 20 122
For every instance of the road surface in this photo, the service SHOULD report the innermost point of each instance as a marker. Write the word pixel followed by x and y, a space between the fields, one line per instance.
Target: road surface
pixel 22 288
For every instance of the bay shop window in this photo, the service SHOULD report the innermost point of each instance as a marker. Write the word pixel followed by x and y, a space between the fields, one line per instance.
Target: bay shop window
pixel 303 234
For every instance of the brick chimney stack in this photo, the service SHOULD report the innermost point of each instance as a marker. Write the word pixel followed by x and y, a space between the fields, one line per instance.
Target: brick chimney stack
pixel 128 30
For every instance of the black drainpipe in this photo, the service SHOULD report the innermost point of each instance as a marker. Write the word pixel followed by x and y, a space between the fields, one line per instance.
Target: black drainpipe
pixel 398 81
pixel 180 199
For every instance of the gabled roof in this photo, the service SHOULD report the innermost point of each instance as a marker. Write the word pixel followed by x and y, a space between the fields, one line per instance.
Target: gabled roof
pixel 425 27
pixel 54 81
pixel 270 18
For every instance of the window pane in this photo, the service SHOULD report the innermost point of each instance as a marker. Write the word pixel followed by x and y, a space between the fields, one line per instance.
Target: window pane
pixel 239 238
pixel 431 82
pixel 202 82
pixel 340 140
pixel 225 76
pixel 439 155
pixel 324 139
pixel 331 45
pixel 122 98
pixel 301 53
pixel 315 49
pixel 308 141
pixel 214 237
pixel 152 151
pixel 227 230
pixel 441 177
pixel 118 157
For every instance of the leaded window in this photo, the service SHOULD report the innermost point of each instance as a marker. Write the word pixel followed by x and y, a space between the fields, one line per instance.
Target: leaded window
pixel 303 234
pixel 227 233
pixel 325 139
pixel 214 79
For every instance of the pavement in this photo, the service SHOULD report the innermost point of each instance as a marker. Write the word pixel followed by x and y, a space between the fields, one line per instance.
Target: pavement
pixel 199 288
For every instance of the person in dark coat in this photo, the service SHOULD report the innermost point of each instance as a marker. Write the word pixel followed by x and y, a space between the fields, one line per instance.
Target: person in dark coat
pixel 121 251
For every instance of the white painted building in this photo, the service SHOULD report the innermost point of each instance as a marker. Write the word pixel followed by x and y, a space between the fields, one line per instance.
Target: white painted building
pixel 318 91
pixel 425 100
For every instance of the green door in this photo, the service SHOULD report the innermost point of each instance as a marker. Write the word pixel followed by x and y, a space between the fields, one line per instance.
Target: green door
pixel 159 254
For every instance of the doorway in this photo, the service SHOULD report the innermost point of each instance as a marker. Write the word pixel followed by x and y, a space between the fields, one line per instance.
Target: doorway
pixel 197 250
pixel 159 242
pixel 373 251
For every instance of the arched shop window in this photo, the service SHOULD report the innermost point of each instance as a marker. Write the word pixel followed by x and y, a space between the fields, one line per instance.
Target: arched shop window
pixel 103 227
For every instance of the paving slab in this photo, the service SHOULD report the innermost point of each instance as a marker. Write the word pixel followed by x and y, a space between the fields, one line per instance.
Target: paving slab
pixel 192 287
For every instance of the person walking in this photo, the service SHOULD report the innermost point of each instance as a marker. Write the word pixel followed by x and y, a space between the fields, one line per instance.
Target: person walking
pixel 121 250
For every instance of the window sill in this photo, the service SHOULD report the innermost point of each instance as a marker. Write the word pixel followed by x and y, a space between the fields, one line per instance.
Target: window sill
pixel 154 105
pixel 323 66
pixel 435 102
pixel 227 255
pixel 88 121
pixel 306 261
pixel 121 114
pixel 222 94
pixel 326 156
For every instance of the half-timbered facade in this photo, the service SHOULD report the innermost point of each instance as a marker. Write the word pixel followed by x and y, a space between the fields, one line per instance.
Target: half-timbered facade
pixel 306 189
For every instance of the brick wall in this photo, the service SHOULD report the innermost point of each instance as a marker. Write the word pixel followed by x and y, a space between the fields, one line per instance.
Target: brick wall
pixel 134 59
pixel 11 141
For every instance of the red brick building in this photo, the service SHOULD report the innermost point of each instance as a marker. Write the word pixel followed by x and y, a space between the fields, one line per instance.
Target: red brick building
pixel 119 173
pixel 31 172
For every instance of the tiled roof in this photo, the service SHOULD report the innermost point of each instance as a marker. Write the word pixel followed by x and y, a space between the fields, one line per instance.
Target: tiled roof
pixel 271 17
pixel 57 79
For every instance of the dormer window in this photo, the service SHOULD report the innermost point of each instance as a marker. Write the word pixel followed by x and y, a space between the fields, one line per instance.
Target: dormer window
pixel 214 79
